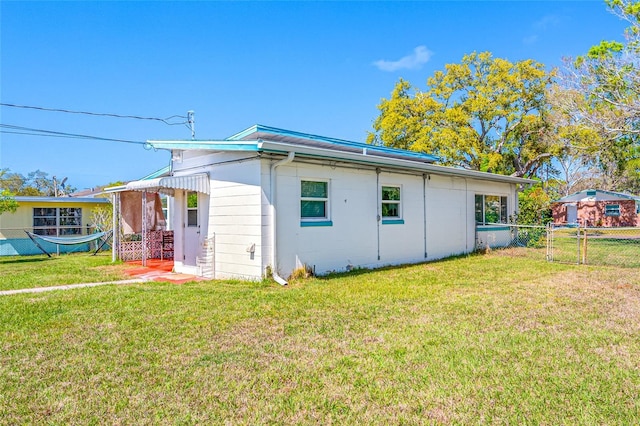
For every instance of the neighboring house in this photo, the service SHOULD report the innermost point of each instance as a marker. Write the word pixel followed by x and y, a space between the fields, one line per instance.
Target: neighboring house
pixel 268 200
pixel 53 216
pixel 595 207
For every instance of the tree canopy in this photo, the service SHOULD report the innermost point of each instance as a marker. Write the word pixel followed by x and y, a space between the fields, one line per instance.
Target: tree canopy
pixel 599 93
pixel 483 114
pixel 37 183
pixel 7 202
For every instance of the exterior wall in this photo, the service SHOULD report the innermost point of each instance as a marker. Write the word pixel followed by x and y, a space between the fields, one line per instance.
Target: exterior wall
pixel 231 214
pixel 445 205
pixel 592 213
pixel 13 240
pixel 235 216
pixel 437 216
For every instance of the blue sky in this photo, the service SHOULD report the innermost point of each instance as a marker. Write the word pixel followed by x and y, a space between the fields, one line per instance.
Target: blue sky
pixel 314 67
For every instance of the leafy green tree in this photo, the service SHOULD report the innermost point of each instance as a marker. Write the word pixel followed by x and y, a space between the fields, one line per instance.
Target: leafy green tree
pixel 602 92
pixel 7 202
pixel 534 206
pixel 482 114
pixel 36 183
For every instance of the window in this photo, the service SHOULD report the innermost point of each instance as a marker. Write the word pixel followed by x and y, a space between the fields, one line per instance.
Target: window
pixel 164 199
pixel 314 203
pixel 192 209
pixel 612 210
pixel 391 207
pixel 491 209
pixel 57 221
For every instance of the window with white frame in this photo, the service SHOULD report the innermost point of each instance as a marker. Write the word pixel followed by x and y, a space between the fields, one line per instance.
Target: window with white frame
pixel 192 209
pixel 314 200
pixel 491 209
pixel 391 204
pixel 57 221
pixel 612 210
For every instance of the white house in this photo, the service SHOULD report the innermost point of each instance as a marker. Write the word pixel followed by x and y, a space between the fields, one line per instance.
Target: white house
pixel 268 200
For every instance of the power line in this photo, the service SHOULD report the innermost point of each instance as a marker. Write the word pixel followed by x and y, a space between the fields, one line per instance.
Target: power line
pixel 136 117
pixel 51 133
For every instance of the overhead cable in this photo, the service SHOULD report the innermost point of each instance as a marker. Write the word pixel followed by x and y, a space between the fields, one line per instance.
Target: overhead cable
pixel 136 117
pixel 51 133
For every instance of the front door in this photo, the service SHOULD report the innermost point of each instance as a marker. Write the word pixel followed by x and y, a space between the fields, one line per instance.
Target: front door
pixel 572 213
pixel 191 228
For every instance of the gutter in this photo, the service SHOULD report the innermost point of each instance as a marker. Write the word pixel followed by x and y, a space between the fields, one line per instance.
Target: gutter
pixel 274 271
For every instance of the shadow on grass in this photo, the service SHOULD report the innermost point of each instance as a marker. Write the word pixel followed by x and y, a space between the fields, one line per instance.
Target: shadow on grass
pixel 22 260
pixel 361 271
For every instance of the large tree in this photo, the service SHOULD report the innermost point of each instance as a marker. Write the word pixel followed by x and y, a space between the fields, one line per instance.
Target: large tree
pixel 36 183
pixel 483 114
pixel 602 93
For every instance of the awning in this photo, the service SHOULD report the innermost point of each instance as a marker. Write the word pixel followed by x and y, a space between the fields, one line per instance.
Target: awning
pixel 197 182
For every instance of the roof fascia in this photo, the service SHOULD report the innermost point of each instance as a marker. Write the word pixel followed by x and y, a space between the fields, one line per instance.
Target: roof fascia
pixel 216 145
pixel 321 153
pixel 43 199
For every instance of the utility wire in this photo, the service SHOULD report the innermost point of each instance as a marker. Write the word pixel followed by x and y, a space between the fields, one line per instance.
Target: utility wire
pixel 163 120
pixel 50 133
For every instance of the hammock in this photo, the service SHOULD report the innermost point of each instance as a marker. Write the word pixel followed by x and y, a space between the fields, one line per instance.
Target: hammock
pixel 104 236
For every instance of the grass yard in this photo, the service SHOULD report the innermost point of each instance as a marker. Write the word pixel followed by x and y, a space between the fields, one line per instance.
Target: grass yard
pixel 18 272
pixel 479 339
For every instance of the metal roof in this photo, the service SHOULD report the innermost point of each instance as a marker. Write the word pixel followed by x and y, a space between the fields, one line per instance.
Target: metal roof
pixel 597 195
pixel 266 139
pixel 252 138
pixel 70 200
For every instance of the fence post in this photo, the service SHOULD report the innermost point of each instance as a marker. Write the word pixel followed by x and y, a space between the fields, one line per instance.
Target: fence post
pixel 549 242
pixel 578 245
pixel 584 247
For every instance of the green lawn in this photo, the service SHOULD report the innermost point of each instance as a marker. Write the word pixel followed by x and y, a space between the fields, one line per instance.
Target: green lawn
pixel 18 272
pixel 478 339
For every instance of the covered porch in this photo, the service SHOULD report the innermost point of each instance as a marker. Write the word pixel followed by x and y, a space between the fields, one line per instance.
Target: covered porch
pixel 142 222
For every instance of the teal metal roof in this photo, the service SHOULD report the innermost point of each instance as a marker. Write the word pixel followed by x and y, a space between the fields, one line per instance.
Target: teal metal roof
pixel 256 137
pixel 158 173
pixel 273 134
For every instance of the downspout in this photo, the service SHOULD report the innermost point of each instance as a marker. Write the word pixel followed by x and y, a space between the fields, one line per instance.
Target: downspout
pixel 379 209
pixel 466 219
pixel 274 271
pixel 425 176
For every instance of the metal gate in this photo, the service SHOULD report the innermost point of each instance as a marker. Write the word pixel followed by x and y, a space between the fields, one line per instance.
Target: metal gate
pixel 594 246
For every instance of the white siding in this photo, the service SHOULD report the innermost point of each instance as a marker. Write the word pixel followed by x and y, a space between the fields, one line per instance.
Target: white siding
pixel 235 219
pixel 444 203
pixel 438 216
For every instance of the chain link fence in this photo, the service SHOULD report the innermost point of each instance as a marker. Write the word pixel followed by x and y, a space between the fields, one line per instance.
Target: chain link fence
pixel 594 246
pixel 564 244
pixel 503 236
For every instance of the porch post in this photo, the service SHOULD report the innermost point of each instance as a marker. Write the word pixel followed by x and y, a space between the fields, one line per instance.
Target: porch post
pixel 115 225
pixel 144 228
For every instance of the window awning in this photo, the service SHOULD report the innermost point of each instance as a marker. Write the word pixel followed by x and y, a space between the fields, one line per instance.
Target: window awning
pixel 197 182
